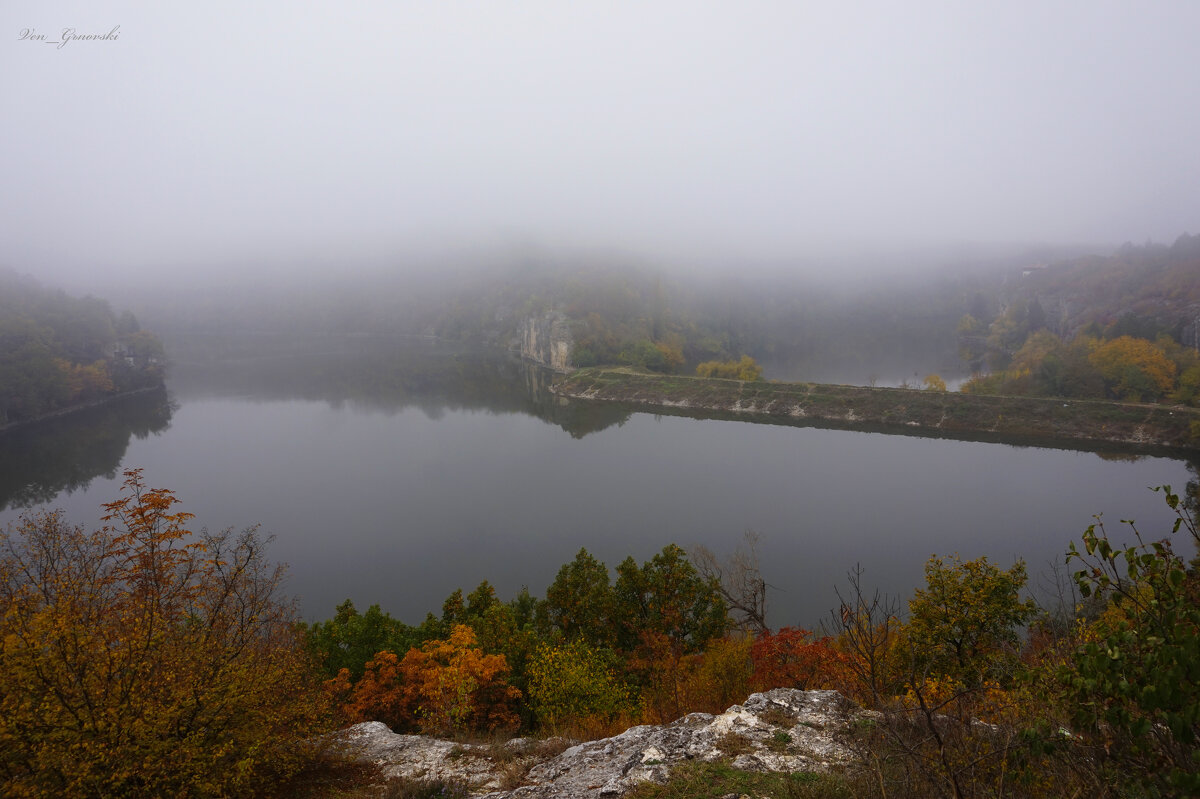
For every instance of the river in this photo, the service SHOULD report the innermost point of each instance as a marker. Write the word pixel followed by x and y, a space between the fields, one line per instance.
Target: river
pixel 395 474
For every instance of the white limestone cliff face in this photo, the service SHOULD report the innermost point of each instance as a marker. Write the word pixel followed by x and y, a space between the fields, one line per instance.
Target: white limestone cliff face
pixel 547 340
pixel 780 730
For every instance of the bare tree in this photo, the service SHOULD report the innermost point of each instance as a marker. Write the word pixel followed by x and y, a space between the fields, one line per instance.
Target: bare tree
pixel 867 626
pixel 739 581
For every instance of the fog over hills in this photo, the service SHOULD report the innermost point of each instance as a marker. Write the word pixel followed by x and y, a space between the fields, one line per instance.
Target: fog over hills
pixel 203 143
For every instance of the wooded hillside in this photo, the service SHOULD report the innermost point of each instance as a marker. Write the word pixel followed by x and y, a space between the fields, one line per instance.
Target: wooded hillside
pixel 57 350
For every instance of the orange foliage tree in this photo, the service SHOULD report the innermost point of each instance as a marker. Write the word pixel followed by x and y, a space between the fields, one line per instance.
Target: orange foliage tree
pixel 793 658
pixel 141 660
pixel 445 687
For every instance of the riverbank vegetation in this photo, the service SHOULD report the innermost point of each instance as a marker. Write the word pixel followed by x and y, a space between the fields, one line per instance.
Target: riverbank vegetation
pixel 1124 368
pixel 1120 327
pixel 58 351
pixel 981 692
pixel 143 660
pixel 923 412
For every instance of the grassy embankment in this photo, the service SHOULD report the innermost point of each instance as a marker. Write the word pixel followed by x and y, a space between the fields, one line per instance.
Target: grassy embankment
pixel 911 411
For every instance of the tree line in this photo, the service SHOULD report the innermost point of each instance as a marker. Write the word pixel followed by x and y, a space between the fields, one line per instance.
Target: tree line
pixel 1122 327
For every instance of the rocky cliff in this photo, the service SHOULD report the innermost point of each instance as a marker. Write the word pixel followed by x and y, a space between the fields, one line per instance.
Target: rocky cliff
pixel 780 730
pixel 546 340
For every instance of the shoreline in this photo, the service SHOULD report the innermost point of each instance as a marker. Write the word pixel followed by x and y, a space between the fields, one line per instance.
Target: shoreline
pixel 82 406
pixel 1022 420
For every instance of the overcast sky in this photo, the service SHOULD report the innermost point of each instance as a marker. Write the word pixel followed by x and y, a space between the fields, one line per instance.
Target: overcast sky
pixel 214 132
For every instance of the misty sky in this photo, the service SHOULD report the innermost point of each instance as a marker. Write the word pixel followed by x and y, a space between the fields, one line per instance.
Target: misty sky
pixel 242 133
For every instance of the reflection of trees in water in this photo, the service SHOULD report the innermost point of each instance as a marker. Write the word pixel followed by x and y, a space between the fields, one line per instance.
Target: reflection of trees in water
pixel 1122 457
pixel 40 461
pixel 389 377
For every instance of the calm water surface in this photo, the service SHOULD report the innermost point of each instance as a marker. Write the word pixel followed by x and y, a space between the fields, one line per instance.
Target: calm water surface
pixel 397 489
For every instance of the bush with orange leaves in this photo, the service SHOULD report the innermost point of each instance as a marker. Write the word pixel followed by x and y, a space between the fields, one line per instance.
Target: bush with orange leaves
pixel 446 687
pixel 794 658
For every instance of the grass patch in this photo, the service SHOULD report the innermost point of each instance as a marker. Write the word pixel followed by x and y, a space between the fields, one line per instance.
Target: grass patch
pixel 424 789
pixel 778 718
pixel 731 745
pixel 693 780
pixel 344 779
pixel 779 741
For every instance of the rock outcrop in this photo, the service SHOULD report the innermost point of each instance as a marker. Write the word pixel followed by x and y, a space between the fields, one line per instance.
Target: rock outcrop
pixel 546 340
pixel 780 730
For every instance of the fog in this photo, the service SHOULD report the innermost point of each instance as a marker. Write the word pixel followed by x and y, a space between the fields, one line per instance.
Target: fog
pixel 217 139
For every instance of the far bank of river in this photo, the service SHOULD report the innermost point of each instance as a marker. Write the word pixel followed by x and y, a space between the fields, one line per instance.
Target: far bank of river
pixel 1166 429
pixel 70 410
pixel 397 474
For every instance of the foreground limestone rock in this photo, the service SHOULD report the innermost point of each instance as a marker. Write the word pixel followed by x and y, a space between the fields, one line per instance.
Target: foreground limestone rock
pixel 780 730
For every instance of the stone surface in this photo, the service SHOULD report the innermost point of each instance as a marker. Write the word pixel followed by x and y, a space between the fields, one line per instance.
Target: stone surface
pixel 547 340
pixel 779 730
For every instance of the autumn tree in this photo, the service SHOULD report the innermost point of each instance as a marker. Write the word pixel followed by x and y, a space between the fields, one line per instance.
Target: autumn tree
pixel 795 658
pixel 934 382
pixel 866 628
pixel 966 621
pixel 721 675
pixel 144 660
pixel 576 687
pixel 580 602
pixel 381 694
pixel 85 382
pixel 445 687
pixel 961 639
pixel 350 639
pixel 505 628
pixel 471 609
pixel 664 611
pixel 1134 368
pixel 666 595
pixel 746 368
pixel 1188 391
pixel 972 337
pixel 1133 684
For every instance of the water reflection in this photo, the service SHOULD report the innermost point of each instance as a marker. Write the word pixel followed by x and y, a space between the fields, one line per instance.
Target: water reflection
pixel 40 461
pixel 395 474
pixel 386 376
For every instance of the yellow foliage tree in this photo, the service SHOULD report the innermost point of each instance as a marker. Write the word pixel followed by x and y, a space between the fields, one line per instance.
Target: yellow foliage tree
pixel 720 676
pixel 574 687
pixel 744 369
pixel 934 382
pixel 141 660
pixel 1134 369
pixel 85 382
